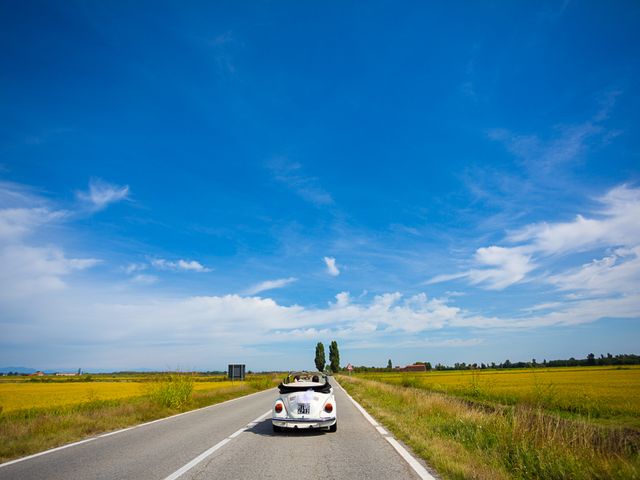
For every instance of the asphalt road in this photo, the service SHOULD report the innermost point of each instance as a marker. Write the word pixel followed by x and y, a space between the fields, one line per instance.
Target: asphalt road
pixel 229 441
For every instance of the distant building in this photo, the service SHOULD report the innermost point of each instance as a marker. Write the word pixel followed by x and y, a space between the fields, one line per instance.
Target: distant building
pixel 37 374
pixel 66 374
pixel 414 368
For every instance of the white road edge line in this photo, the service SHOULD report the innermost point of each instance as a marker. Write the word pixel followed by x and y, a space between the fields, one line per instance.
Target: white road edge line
pixel 419 469
pixel 410 459
pixel 47 451
pixel 62 447
pixel 382 431
pixel 178 473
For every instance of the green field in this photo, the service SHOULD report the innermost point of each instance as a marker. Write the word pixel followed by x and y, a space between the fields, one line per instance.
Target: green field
pixel 578 423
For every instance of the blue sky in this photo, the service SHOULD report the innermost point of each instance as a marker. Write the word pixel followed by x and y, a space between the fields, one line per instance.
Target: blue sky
pixel 188 185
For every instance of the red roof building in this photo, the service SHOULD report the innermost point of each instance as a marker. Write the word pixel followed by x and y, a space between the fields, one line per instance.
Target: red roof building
pixel 414 368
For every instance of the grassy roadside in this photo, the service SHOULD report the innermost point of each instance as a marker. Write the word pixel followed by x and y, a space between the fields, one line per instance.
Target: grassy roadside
pixel 463 440
pixel 28 431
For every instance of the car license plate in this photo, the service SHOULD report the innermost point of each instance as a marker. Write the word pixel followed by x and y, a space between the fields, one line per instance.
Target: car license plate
pixel 304 408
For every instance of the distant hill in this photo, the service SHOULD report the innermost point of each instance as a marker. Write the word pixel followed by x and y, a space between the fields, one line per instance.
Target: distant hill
pixel 17 369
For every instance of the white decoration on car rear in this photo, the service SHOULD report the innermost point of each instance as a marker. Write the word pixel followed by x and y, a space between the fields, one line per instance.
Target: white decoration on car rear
pixel 307 397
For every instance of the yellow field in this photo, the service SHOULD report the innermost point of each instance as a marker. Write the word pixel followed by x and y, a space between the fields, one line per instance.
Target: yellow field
pixel 46 412
pixel 23 394
pixel 597 392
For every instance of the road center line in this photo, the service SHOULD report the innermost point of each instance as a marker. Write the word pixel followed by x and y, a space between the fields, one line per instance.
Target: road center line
pixel 178 473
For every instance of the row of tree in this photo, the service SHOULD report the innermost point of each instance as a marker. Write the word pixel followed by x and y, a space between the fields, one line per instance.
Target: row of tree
pixel 590 360
pixel 334 357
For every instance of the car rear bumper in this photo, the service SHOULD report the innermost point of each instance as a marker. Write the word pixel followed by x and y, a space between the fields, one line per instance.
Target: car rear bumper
pixel 303 423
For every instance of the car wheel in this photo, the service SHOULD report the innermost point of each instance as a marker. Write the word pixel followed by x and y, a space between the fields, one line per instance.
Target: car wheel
pixel 334 427
pixel 276 429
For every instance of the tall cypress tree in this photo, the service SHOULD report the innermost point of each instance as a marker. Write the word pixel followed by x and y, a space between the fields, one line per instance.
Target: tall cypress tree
pixel 320 360
pixel 334 357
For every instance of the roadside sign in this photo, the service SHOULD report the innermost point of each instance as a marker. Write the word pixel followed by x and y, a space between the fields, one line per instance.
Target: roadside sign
pixel 236 371
pixel 349 368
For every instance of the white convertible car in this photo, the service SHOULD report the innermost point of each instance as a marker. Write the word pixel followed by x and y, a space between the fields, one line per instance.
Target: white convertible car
pixel 306 401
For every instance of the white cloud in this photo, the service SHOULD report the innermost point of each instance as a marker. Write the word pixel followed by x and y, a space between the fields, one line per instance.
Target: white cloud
pixel 615 274
pixel 101 194
pixel 19 222
pixel 134 267
pixel 42 304
pixel 441 342
pixel 22 212
pixel 270 285
pixel 143 279
pixel 509 266
pixel 192 265
pixel 178 329
pixel 342 299
pixel 614 225
pixel 332 268
pixel 34 270
pixel 180 265
pixel 31 269
pixel 254 318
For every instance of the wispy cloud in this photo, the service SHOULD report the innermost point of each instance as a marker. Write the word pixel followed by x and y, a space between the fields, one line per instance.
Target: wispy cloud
pixel 180 265
pixel 28 270
pixel 332 268
pixel 614 274
pixel 144 279
pixel 18 222
pixel 101 194
pixel 270 285
pixel 224 47
pixel 545 165
pixel 134 267
pixel 223 39
pixel 566 144
pixel 614 226
pixel 26 266
pixel 307 187
pixel 22 211
pixel 501 267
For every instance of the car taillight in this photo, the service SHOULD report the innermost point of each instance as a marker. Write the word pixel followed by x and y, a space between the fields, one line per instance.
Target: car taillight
pixel 328 408
pixel 278 407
